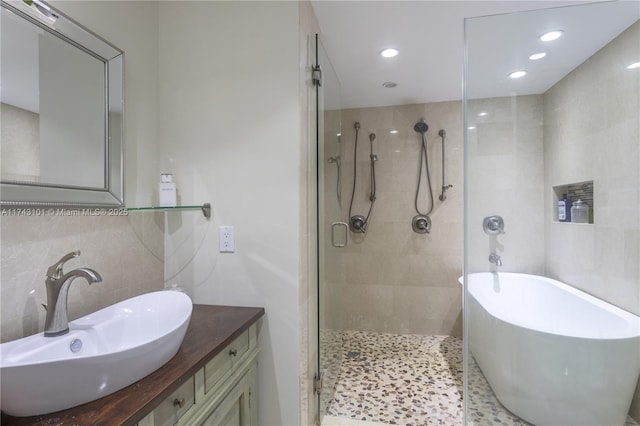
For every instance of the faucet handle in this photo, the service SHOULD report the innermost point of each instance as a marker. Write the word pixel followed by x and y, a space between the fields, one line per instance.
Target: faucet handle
pixel 55 270
pixel 493 225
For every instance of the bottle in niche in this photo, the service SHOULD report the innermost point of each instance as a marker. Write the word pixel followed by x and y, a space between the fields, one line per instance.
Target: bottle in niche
pixel 564 209
pixel 580 212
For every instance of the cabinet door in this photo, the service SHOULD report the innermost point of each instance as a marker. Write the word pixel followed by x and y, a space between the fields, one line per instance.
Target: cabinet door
pixel 235 408
pixel 233 416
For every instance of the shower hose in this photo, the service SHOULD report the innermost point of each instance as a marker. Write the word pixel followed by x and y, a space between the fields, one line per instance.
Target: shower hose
pixel 424 156
pixel 372 194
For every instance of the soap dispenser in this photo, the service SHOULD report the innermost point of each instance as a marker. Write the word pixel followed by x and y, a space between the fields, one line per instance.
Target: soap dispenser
pixel 167 191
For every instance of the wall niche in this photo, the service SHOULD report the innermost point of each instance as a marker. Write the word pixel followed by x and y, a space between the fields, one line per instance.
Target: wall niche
pixel 582 191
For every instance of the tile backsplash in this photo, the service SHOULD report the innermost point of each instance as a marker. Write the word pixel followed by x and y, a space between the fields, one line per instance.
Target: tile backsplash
pixel 127 251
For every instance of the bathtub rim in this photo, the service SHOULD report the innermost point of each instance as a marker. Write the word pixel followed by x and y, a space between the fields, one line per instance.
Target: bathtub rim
pixel 632 321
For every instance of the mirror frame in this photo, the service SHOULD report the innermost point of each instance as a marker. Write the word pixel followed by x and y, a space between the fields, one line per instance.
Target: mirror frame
pixel 13 193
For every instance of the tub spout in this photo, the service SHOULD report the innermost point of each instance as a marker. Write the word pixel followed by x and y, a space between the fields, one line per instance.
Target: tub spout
pixel 495 259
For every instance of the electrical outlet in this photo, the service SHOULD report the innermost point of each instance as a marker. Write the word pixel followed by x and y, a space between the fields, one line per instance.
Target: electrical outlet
pixel 226 239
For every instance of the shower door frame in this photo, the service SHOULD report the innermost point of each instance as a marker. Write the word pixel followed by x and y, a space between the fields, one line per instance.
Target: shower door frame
pixel 327 220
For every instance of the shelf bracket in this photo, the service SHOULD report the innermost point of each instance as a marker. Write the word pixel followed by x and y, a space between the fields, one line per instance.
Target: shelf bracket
pixel 206 210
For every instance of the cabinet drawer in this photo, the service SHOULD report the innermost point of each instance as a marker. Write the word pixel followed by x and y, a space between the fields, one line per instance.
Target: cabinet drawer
pixel 175 405
pixel 223 363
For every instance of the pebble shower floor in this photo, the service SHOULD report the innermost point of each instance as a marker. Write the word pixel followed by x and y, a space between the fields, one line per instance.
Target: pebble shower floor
pixel 410 380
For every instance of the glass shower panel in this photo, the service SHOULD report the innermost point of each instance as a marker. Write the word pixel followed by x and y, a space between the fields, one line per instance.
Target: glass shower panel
pixel 332 232
pixel 552 333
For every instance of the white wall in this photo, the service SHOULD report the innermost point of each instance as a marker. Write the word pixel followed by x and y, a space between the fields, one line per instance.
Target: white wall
pixel 230 134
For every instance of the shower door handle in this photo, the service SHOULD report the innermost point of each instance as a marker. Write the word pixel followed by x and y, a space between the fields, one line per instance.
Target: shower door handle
pixel 335 225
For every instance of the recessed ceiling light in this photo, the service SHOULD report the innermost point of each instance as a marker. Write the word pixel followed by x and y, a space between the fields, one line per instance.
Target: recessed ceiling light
pixel 634 66
pixel 483 113
pixel 551 35
pixel 471 128
pixel 389 84
pixel 517 74
pixel 393 132
pixel 389 53
pixel 537 56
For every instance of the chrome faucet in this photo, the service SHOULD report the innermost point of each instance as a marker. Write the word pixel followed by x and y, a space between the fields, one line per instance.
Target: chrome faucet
pixel 495 259
pixel 57 283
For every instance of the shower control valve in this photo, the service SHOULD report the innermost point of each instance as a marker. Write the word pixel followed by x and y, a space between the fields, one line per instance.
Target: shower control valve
pixel 421 224
pixel 493 225
pixel 358 224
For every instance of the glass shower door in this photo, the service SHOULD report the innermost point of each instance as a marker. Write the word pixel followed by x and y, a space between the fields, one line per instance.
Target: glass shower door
pixel 332 231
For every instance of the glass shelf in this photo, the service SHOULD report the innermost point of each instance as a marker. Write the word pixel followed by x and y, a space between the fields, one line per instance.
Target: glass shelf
pixel 206 209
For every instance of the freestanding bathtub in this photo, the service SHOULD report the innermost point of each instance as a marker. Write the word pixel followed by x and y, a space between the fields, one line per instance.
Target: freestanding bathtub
pixel 552 354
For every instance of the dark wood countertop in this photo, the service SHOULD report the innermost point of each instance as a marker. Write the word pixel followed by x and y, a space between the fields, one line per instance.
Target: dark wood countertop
pixel 211 328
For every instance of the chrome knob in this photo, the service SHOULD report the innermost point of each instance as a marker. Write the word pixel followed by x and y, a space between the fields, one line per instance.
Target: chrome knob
pixel 358 224
pixel 493 225
pixel 421 224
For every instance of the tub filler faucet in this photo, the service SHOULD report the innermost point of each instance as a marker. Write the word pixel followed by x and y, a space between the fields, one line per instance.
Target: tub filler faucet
pixel 57 284
pixel 495 259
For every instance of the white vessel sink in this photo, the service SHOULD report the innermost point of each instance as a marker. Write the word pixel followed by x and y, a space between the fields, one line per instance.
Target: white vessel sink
pixel 102 353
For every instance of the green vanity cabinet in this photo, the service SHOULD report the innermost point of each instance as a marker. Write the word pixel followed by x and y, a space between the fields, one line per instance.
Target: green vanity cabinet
pixel 222 393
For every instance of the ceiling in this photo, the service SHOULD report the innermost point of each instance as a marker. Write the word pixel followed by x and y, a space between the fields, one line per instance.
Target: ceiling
pixel 430 38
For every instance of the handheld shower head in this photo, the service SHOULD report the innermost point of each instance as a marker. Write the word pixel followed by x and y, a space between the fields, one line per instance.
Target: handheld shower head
pixel 421 127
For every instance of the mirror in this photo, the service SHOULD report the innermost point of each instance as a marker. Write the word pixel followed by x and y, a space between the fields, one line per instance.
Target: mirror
pixel 61 106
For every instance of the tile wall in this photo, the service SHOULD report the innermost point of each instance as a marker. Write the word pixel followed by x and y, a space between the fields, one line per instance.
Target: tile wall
pixel 506 175
pixel 592 132
pixel 20 130
pixel 391 279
